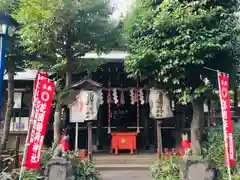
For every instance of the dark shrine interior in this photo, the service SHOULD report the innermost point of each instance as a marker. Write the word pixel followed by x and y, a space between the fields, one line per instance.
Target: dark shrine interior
pixel 114 73
pixel 127 121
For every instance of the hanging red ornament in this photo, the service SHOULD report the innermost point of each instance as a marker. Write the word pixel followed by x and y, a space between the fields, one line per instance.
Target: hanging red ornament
pixel 137 101
pixel 109 109
pixel 212 122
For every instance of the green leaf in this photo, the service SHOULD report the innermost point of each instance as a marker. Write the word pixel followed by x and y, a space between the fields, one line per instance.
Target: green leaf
pixel 176 40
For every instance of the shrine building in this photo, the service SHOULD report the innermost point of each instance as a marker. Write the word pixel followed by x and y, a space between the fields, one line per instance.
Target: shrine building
pixel 107 111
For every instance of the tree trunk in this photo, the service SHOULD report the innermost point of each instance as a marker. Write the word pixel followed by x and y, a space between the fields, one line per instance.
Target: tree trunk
pixel 9 108
pixel 57 113
pixel 57 125
pixel 196 126
pixel 68 74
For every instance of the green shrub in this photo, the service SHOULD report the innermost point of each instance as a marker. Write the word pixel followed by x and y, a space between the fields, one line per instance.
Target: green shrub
pixel 32 175
pixel 46 156
pixel 213 149
pixel 82 170
pixel 165 169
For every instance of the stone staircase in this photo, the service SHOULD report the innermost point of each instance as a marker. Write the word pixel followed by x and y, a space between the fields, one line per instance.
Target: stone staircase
pixel 141 161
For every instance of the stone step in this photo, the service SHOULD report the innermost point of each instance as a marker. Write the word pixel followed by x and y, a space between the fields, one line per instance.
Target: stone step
pixel 125 159
pixel 122 167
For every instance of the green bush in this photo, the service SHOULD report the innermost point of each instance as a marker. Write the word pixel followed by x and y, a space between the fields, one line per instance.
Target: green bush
pixel 213 149
pixel 32 175
pixel 165 169
pixel 82 170
pixel 46 156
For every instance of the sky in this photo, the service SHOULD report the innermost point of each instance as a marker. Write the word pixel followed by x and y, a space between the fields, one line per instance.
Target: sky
pixel 121 7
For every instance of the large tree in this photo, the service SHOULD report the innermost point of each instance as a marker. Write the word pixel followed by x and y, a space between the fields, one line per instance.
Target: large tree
pixel 66 30
pixel 16 59
pixel 171 42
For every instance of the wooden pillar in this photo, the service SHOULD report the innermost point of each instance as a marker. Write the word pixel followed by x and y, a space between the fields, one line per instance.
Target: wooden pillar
pixel 159 137
pixel 99 128
pixel 146 126
pixel 154 126
pixel 180 119
pixel 76 137
pixel 16 162
pixel 89 127
pixel 209 113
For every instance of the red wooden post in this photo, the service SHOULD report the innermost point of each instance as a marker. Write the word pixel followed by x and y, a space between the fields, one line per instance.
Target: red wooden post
pixel 131 151
pixel 20 156
pixel 166 154
pixel 83 154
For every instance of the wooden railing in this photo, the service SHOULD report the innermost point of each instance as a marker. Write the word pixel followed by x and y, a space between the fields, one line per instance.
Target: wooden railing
pixel 11 159
pixel 19 124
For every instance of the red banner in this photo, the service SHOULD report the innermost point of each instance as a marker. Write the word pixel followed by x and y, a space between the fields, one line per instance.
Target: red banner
pixel 39 76
pixel 39 123
pixel 227 119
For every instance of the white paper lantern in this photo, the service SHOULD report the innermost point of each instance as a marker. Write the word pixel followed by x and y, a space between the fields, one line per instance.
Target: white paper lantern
pixel 159 104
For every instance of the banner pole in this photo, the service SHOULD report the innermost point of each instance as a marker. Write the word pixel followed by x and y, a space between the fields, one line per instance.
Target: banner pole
pixel 224 132
pixel 29 129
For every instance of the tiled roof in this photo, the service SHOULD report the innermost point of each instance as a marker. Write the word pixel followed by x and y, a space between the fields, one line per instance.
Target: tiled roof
pixel 113 56
pixel 28 74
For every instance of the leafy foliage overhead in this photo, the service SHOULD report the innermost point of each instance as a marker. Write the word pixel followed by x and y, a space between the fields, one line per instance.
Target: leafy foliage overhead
pixel 66 30
pixel 16 57
pixel 174 41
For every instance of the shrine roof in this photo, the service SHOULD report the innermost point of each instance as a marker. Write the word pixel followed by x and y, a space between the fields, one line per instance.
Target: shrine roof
pixel 27 75
pixel 86 82
pixel 113 56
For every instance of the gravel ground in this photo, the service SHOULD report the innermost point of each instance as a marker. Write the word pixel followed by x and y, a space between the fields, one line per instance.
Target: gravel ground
pixel 125 175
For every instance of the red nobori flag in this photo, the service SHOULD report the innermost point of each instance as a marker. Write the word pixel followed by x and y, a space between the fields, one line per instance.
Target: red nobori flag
pixel 39 123
pixel 39 76
pixel 227 119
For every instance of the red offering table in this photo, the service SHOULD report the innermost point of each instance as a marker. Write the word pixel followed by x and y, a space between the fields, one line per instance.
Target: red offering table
pixel 123 140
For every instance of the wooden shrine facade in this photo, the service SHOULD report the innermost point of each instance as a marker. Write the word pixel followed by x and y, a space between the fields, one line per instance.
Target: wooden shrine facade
pixel 23 85
pixel 123 108
pixel 127 113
